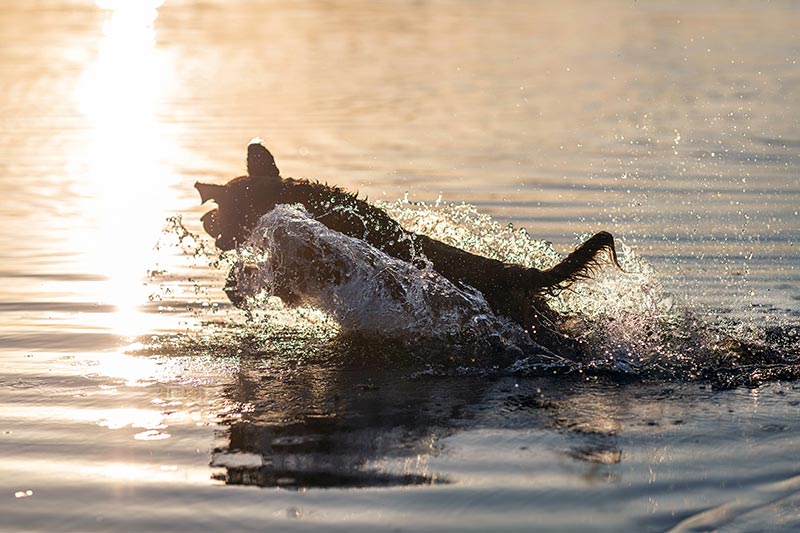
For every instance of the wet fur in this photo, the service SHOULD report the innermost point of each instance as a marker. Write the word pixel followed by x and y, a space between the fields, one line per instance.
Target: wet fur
pixel 512 290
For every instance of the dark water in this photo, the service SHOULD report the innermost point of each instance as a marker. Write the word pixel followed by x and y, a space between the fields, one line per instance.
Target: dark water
pixel 134 397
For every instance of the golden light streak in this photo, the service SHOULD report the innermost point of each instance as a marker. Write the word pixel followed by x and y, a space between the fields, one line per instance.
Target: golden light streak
pixel 127 180
pixel 136 371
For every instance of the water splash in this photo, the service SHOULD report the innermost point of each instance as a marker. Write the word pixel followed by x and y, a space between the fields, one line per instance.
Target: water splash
pixel 298 259
pixel 632 322
pixel 311 293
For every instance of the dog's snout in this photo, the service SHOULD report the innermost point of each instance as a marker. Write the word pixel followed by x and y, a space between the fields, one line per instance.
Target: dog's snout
pixel 211 222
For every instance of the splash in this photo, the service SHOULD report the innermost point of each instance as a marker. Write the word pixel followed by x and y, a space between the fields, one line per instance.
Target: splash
pixel 632 323
pixel 310 293
pixel 299 260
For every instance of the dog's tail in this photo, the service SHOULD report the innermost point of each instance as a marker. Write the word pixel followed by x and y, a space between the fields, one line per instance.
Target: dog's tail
pixel 580 264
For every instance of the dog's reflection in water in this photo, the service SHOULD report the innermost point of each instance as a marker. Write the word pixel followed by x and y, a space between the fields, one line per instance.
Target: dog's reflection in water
pixel 321 427
pixel 337 428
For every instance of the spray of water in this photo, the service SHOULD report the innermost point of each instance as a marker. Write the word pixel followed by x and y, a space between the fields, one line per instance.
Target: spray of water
pixel 303 285
pixel 631 321
pixel 296 258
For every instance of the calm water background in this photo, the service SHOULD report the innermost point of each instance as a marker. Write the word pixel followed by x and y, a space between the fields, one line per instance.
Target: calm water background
pixel 126 401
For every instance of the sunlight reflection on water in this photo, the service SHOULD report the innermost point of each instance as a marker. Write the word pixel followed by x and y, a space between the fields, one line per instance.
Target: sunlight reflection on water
pixel 126 179
pixel 671 125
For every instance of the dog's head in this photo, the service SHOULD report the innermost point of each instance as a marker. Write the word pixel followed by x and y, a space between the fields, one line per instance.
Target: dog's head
pixel 241 201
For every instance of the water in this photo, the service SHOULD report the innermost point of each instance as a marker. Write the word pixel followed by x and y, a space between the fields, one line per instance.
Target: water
pixel 134 397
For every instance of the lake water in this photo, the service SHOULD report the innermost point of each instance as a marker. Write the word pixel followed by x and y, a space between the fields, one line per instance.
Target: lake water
pixel 133 397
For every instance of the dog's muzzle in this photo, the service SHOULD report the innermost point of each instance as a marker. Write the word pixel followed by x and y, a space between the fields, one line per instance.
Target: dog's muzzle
pixel 211 222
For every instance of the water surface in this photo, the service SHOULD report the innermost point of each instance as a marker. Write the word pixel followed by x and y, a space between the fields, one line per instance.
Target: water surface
pixel 134 397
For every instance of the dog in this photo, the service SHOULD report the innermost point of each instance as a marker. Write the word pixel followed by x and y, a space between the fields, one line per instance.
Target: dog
pixel 512 290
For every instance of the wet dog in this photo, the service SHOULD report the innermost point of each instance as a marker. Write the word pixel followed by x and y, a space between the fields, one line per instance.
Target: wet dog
pixel 511 290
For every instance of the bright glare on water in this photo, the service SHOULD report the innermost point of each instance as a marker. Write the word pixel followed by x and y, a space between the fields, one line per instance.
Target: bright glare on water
pixel 134 397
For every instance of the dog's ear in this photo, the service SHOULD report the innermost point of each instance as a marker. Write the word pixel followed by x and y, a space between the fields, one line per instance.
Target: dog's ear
pixel 260 162
pixel 209 191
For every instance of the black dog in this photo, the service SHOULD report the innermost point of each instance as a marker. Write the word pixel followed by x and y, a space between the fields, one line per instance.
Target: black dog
pixel 512 290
